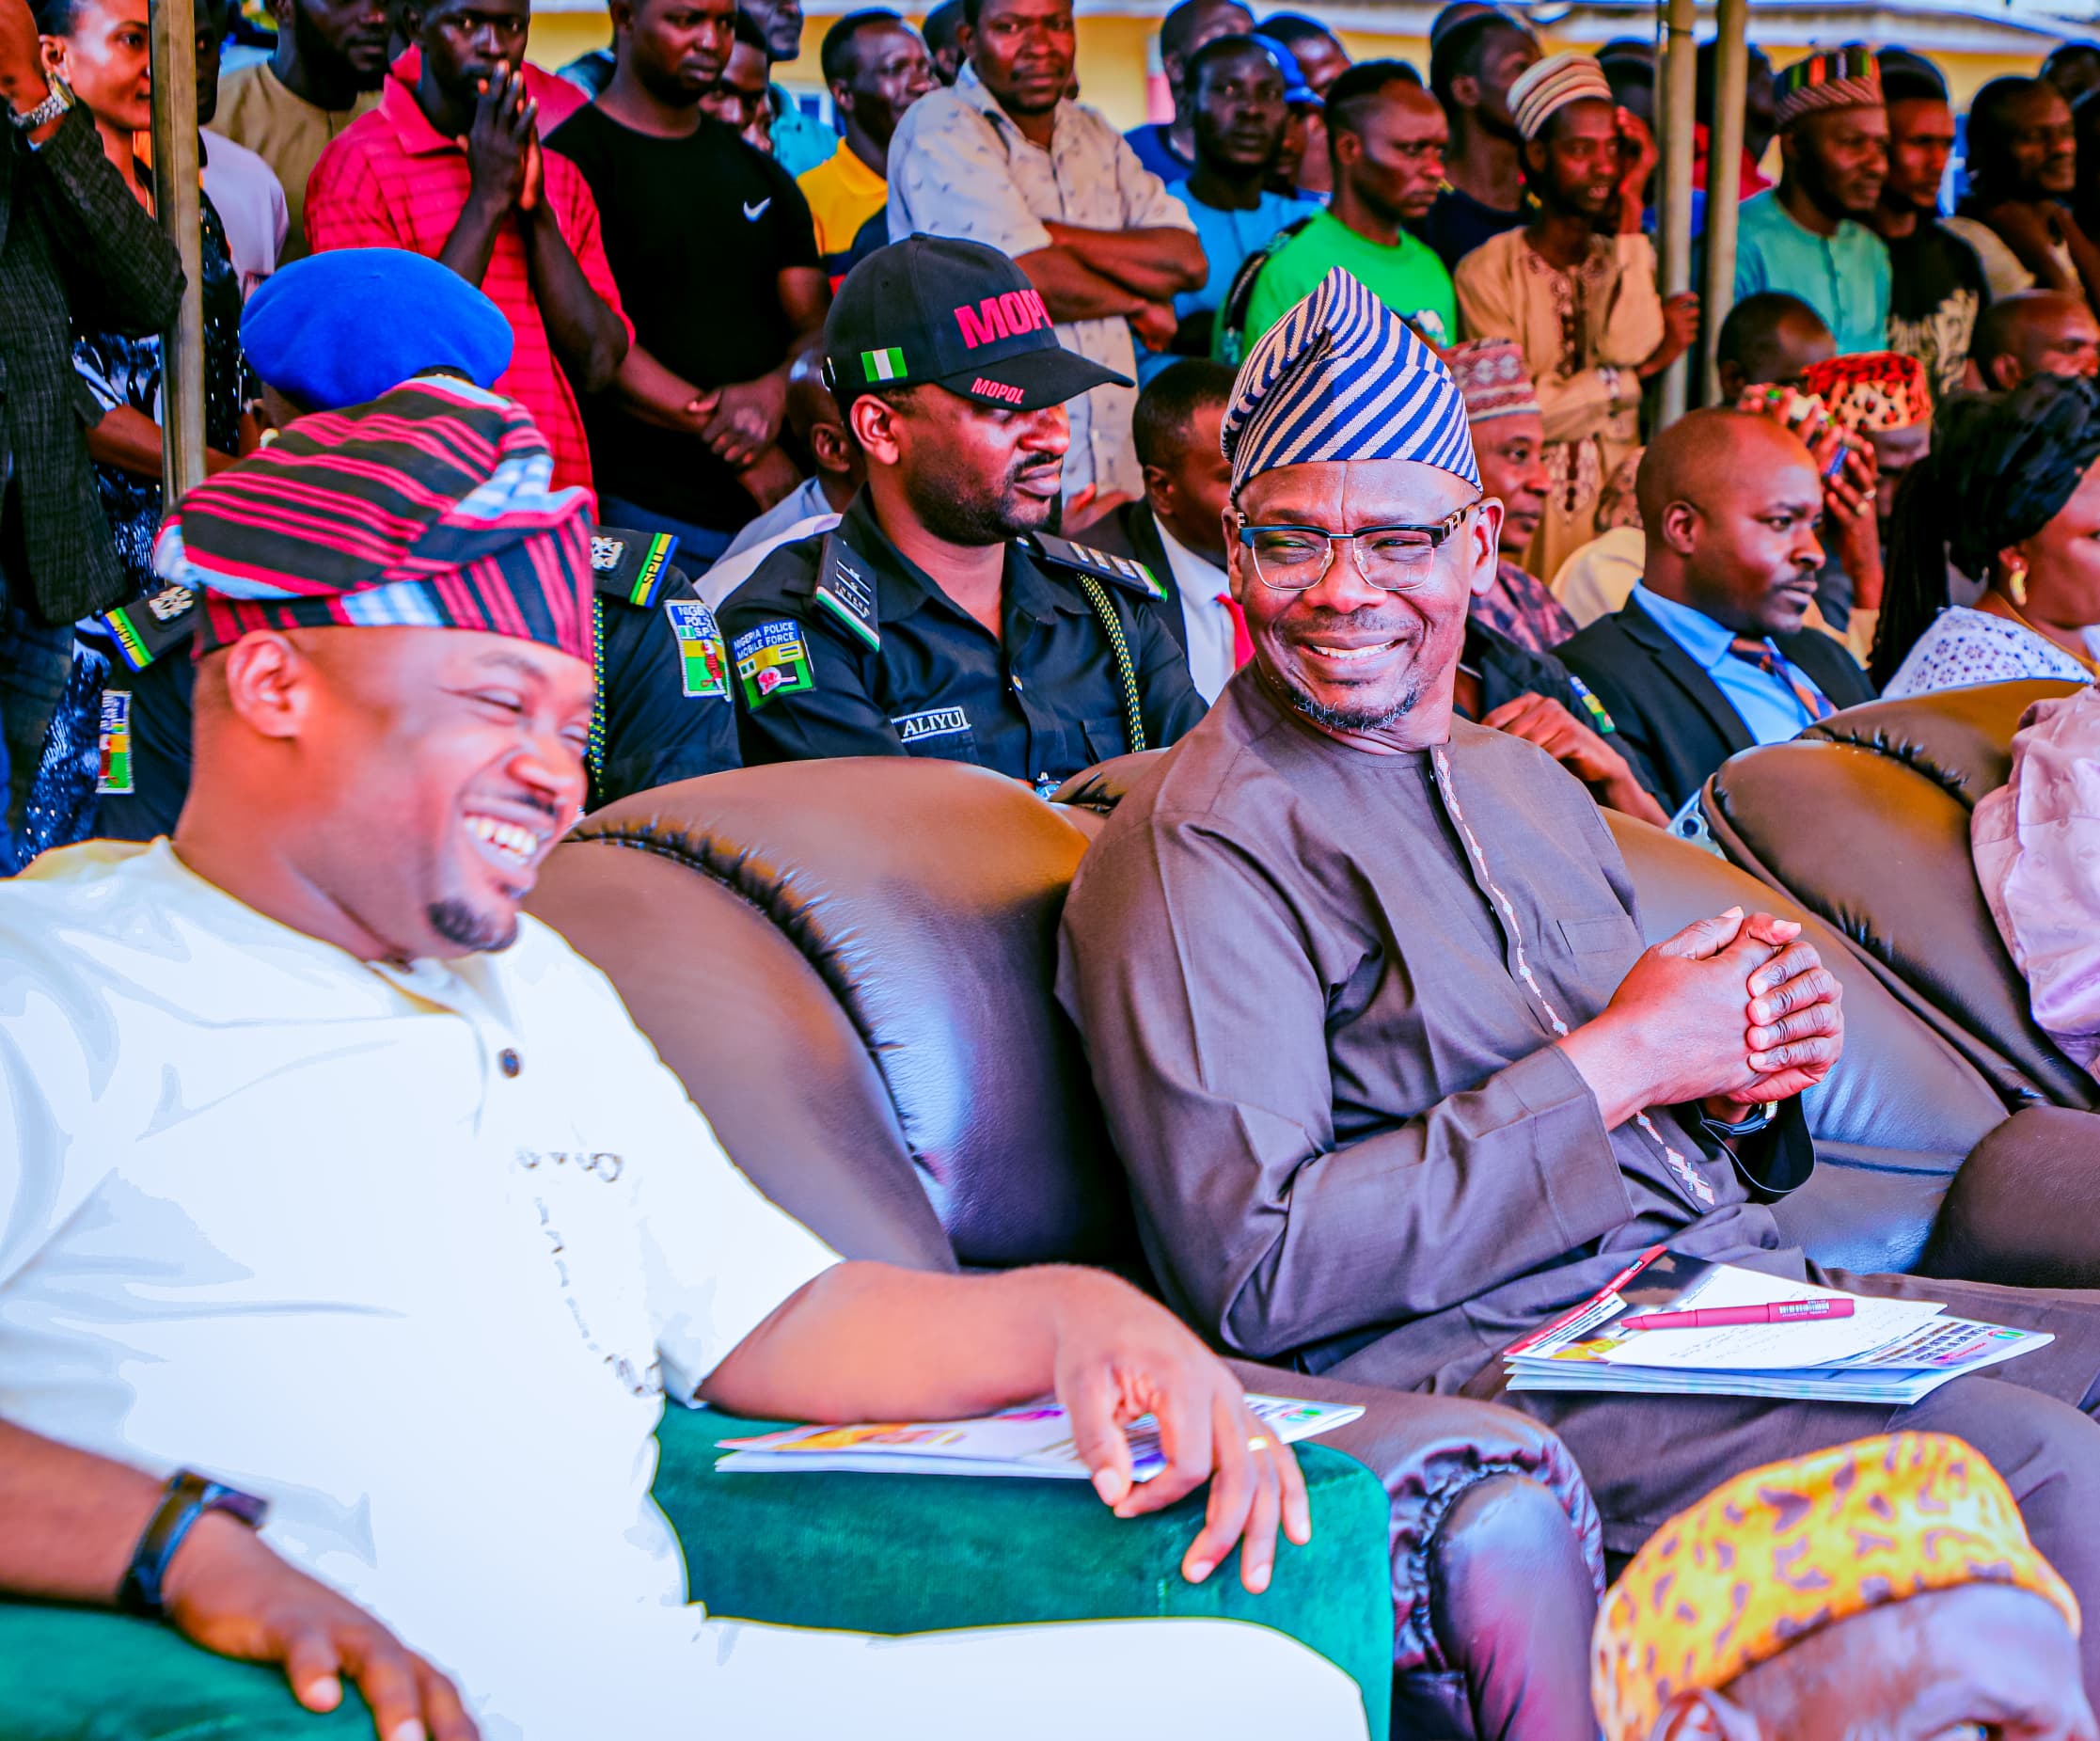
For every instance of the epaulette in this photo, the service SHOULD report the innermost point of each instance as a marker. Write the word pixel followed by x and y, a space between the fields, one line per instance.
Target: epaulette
pixel 631 566
pixel 146 628
pixel 1123 570
pixel 845 588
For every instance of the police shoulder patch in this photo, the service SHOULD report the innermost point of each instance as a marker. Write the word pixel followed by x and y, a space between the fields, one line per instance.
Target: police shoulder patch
pixel 1104 565
pixel 149 627
pixel 703 659
pixel 772 661
pixel 634 566
pixel 845 588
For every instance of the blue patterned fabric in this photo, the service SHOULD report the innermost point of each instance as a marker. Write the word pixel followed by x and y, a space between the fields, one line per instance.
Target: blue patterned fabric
pixel 1342 377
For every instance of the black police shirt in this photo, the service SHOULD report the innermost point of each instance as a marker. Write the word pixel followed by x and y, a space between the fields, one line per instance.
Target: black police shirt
pixel 697 231
pixel 664 676
pixel 841 645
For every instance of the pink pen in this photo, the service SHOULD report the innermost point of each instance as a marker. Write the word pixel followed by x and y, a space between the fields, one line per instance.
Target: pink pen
pixel 1716 1316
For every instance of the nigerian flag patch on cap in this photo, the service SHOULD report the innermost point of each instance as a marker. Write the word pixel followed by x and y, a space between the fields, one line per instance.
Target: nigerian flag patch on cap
pixel 884 365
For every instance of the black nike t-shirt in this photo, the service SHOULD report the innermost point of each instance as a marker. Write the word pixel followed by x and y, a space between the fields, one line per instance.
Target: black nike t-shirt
pixel 698 230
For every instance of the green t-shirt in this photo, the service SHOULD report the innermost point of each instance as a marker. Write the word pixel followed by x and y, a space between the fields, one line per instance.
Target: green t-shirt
pixel 1409 279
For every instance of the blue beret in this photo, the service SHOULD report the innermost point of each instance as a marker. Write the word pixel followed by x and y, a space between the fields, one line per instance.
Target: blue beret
pixel 342 328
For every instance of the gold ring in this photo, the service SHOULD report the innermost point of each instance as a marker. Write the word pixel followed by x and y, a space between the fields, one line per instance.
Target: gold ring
pixel 1258 1443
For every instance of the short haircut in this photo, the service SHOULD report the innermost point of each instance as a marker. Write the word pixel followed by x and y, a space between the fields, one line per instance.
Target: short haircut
pixel 747 31
pixel 1907 75
pixel 1170 403
pixel 55 18
pixel 1747 334
pixel 1224 48
pixel 1706 65
pixel 1990 126
pixel 2068 51
pixel 941 25
pixel 1461 51
pixel 835 59
pixel 1357 90
pixel 1179 25
pixel 1293 28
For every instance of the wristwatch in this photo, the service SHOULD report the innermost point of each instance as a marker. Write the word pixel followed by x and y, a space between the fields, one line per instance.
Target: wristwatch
pixel 50 109
pixel 1758 1117
pixel 186 1497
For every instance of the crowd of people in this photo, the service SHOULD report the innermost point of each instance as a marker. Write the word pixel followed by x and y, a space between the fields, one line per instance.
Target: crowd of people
pixel 572 434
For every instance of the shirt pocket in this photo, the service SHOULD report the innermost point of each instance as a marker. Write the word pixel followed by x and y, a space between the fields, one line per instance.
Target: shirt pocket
pixel 1609 934
pixel 938 733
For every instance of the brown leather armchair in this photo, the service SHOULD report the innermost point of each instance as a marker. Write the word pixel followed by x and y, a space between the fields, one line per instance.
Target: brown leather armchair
pixel 849 963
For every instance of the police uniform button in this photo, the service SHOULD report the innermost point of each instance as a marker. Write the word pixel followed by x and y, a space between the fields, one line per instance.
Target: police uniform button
pixel 509 1061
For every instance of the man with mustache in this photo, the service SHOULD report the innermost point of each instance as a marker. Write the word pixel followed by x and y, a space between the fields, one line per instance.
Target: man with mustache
pixel 1004 157
pixel 1363 989
pixel 938 618
pixel 1809 235
pixel 327 71
pixel 335 1332
pixel 449 165
pixel 1575 288
pixel 1709 655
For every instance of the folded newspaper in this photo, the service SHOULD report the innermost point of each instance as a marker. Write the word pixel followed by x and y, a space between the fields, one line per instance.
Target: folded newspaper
pixel 1025 1441
pixel 1886 1351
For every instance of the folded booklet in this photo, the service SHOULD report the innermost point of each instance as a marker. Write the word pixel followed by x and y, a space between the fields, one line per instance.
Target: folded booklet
pixel 1025 1441
pixel 1886 1350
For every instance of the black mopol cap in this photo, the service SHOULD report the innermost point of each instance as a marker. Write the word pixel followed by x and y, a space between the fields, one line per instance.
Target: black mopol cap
pixel 956 313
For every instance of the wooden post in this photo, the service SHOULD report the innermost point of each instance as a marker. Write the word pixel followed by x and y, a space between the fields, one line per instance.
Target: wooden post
pixel 1678 72
pixel 1724 181
pixel 178 199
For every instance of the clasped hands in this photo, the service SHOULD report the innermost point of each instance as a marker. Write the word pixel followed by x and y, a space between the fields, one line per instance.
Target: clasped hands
pixel 1730 1012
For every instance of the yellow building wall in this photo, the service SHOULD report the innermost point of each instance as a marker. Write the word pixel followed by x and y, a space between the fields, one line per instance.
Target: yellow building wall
pixel 1114 54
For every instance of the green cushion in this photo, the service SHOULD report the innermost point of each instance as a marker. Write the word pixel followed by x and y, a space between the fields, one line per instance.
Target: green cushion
pixel 861 1553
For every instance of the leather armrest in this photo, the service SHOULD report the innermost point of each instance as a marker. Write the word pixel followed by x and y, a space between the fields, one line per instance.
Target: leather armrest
pixel 2024 1206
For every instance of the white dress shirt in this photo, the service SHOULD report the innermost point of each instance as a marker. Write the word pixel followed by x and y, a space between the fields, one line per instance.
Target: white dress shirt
pixel 1209 623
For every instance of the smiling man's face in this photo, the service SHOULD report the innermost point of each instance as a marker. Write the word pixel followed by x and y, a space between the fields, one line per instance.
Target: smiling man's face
pixel 1356 659
pixel 435 769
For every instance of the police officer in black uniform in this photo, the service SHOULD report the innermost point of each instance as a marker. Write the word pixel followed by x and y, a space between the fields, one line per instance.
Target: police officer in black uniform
pixel 938 618
pixel 663 714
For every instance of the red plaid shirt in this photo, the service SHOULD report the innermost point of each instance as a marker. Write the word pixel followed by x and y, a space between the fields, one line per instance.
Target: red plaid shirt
pixel 391 180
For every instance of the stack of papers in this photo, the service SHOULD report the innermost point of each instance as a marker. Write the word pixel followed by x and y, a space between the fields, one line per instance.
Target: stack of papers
pixel 1888 1351
pixel 1025 1441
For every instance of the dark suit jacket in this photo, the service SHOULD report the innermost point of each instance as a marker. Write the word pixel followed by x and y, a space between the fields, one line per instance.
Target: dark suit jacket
pixel 76 250
pixel 1670 710
pixel 1130 530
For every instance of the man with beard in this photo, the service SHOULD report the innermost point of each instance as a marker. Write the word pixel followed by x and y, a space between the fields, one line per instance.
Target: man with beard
pixel 324 71
pixel 2022 172
pixel 1168 148
pixel 1710 656
pixel 1004 157
pixel 1364 992
pixel 504 214
pixel 420 1152
pixel 1938 283
pixel 937 618
pixel 1471 65
pixel 1575 288
pixel 2035 332
pixel 1386 137
pixel 877 68
pixel 711 245
pixel 1238 92
pixel 1808 235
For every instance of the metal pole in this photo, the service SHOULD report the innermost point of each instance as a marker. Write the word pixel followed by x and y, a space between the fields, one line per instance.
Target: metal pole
pixel 177 200
pixel 1678 72
pixel 1724 179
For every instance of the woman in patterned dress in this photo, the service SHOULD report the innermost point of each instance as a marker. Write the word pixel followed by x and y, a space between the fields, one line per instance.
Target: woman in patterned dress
pixel 2010 496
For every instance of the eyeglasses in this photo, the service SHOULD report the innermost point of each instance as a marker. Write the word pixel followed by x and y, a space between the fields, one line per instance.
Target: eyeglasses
pixel 1290 559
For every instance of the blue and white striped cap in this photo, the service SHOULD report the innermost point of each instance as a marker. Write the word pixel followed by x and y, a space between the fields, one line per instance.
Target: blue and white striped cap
pixel 1341 376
